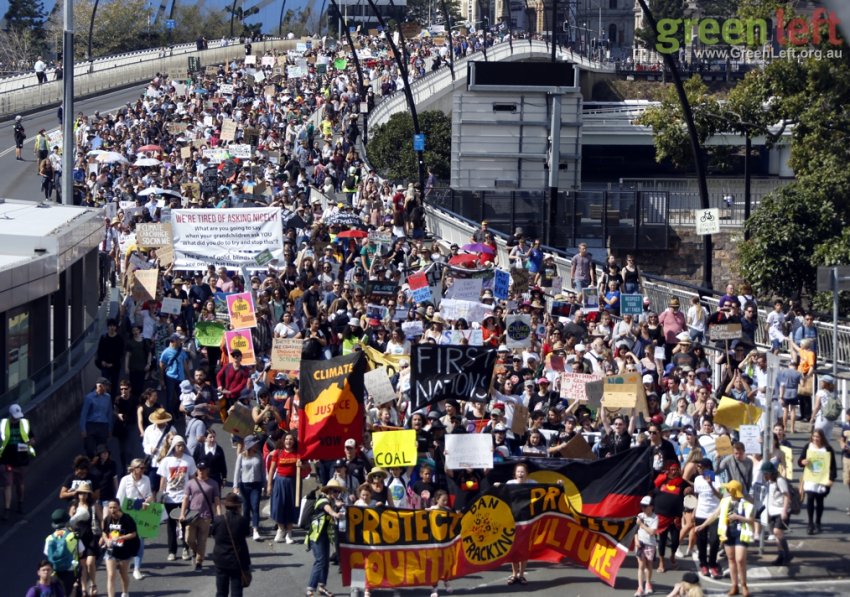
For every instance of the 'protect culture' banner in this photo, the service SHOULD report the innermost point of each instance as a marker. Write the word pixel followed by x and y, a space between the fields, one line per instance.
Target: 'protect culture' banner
pixel 403 548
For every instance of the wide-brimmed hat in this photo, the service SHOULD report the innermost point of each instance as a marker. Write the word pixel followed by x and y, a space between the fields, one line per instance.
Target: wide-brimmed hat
pixel 438 319
pixel 333 485
pixel 250 442
pixel 673 302
pixel 377 471
pixel 158 416
pixel 83 488
pixel 735 489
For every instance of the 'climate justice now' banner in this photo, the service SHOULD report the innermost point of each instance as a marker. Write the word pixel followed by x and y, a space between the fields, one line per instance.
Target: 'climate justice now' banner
pixel 509 523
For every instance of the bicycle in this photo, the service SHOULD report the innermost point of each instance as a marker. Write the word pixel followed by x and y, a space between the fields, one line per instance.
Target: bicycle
pixel 706 217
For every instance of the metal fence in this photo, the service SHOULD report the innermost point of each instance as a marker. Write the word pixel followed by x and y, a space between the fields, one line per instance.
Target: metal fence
pixel 621 220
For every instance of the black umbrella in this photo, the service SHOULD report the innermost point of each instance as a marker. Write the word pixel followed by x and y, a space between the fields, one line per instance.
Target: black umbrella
pixel 346 220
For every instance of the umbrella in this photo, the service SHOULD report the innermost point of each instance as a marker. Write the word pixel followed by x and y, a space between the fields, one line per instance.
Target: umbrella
pixel 157 191
pixel 479 248
pixel 95 152
pixel 147 162
pixel 347 220
pixel 467 259
pixel 109 157
pixel 149 148
pixel 353 234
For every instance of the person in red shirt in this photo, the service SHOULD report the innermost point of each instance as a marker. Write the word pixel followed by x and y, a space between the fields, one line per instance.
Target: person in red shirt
pixel 231 379
pixel 669 504
pixel 282 473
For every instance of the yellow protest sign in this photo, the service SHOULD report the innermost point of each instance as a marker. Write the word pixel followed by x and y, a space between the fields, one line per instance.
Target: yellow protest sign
pixel 817 467
pixel 378 359
pixel 723 446
pixel 732 414
pixel 394 448
pixel 787 465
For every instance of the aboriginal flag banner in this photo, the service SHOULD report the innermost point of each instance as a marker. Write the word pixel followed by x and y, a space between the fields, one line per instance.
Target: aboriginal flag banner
pixel 438 372
pixel 331 408
pixel 607 488
pixel 508 523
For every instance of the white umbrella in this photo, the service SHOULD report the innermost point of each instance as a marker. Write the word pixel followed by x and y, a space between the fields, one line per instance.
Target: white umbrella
pixel 109 157
pixel 157 191
pixel 147 162
pixel 96 152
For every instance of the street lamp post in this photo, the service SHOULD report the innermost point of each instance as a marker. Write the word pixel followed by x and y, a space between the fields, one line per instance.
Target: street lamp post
pixel 408 94
pixel 359 74
pixel 91 28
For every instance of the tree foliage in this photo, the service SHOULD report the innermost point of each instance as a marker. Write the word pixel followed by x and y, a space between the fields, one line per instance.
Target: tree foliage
pixel 390 148
pixel 25 15
pixel 667 121
pixel 807 228
pixel 662 9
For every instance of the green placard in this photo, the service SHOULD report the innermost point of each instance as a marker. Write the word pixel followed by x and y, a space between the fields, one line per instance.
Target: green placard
pixel 264 257
pixel 147 519
pixel 209 333
pixel 631 304
pixel 340 63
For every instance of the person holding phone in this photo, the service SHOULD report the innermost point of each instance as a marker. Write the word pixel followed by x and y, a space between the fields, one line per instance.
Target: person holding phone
pixel 708 493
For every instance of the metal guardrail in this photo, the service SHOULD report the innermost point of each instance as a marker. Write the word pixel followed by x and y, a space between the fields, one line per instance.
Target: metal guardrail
pixel 454 228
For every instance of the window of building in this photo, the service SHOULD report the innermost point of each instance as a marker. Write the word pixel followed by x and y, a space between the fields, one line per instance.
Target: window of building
pixel 17 347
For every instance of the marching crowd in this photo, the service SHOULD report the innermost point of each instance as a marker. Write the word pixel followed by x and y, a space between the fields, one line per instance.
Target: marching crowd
pixel 162 393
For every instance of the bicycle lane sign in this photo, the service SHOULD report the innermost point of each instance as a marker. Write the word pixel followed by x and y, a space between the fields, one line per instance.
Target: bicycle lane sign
pixel 707 220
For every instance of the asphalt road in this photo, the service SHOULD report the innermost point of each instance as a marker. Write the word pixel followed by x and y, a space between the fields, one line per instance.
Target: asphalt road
pixel 282 569
pixel 20 180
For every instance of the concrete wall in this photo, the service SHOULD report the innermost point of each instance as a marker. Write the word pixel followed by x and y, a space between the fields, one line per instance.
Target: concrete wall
pixel 87 84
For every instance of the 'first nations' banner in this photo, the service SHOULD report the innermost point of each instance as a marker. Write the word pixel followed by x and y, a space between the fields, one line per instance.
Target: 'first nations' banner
pixel 225 237
pixel 506 524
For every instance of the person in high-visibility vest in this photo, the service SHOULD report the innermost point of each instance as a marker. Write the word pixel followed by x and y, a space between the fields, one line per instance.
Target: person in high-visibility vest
pixel 735 528
pixel 16 449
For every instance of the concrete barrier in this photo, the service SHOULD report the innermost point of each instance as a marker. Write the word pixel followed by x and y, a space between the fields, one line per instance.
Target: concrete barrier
pixel 121 72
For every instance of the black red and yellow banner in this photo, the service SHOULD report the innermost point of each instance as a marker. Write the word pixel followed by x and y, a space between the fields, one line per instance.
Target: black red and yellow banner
pixel 331 406
pixel 509 523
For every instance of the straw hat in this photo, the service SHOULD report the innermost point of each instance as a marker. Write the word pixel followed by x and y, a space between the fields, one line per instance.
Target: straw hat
pixel 333 485
pixel 159 416
pixel 84 488
pixel 377 471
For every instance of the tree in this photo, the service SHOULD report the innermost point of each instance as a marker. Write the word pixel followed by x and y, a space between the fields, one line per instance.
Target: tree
pixel 390 148
pixel 671 136
pixel 25 15
pixel 784 231
pixel 427 12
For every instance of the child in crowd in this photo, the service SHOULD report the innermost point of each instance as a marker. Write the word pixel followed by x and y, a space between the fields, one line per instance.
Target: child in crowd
pixel 646 546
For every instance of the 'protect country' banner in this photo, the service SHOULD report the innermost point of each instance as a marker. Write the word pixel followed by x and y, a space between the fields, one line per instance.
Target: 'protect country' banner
pixel 331 408
pixel 404 548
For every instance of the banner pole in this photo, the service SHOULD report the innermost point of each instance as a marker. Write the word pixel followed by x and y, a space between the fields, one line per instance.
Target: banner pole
pixel 298 482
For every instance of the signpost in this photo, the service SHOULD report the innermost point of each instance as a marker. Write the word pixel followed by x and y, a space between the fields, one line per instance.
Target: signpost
pixel 707 221
pixel 419 142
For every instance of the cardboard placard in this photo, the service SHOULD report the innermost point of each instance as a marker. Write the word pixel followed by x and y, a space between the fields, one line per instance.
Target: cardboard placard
pixel 723 446
pixel 469 450
pixel 817 467
pixel 186 153
pixel 165 256
pixel 147 516
pixel 725 331
pixel 146 281
pixel 578 449
pixel 286 354
pixel 153 235
pixel 622 391
pixel 242 340
pixel 379 387
pixel 732 414
pixel 228 130
pixel 519 424
pixel 209 333
pixel 240 307
pixel 518 331
pixel 239 420
pixel 751 438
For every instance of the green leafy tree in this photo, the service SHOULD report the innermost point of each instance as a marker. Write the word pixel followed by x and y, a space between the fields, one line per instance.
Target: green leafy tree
pixel 835 251
pixel 785 230
pixel 390 148
pixel 25 15
pixel 671 136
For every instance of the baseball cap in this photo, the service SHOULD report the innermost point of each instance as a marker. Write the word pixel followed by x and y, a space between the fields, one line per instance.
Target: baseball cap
pixel 15 412
pixel 647 379
pixel 646 500
pixel 186 385
pixel 340 462
pixel 350 443
pixel 542 380
pixel 203 463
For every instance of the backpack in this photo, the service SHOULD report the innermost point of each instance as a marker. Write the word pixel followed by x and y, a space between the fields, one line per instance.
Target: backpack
pixel 308 506
pixel 59 553
pixel 796 502
pixel 832 410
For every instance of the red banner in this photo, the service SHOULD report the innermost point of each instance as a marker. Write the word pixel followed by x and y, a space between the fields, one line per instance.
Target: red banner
pixel 510 523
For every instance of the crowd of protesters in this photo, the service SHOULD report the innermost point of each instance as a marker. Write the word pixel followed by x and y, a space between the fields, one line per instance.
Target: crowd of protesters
pixel 162 392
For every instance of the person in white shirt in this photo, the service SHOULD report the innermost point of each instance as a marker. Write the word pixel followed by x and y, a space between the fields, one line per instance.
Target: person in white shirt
pixel 175 471
pixel 137 487
pixel 778 505
pixel 707 491
pixel 647 542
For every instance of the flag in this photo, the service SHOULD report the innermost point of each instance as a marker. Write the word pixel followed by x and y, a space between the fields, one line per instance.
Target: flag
pixel 447 371
pixel 607 488
pixel 331 408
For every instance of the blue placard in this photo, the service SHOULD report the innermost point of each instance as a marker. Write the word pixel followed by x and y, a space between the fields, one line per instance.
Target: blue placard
pixel 422 295
pixel 631 304
pixel 501 283
pixel 419 142
pixel 170 24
